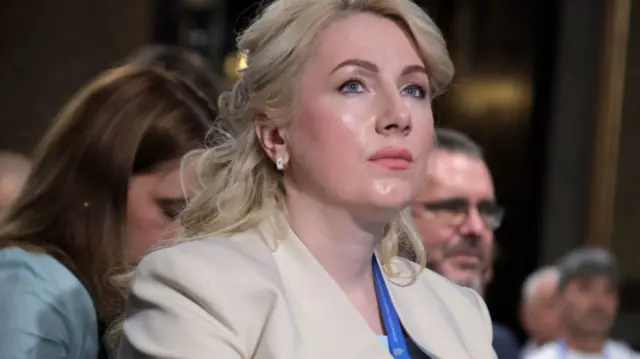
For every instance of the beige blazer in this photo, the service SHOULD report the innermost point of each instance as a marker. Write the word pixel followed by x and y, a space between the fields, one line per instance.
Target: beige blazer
pixel 263 295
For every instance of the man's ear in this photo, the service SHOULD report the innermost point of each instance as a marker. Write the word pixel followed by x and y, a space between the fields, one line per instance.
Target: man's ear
pixel 273 140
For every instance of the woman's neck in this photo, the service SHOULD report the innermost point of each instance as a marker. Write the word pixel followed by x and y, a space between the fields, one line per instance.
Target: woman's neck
pixel 342 246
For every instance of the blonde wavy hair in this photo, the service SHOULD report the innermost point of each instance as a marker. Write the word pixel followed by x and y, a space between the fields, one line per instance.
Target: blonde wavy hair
pixel 241 186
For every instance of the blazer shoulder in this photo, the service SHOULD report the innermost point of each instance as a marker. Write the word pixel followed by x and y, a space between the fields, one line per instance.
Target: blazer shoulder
pixel 242 251
pixel 241 263
pixel 447 289
pixel 427 277
pixel 185 299
pixel 452 295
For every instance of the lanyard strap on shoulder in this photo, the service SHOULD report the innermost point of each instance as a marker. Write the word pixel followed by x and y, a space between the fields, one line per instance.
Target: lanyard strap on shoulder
pixel 397 345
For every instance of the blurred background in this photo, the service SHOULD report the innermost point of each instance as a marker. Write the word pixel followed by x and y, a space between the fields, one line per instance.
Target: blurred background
pixel 546 87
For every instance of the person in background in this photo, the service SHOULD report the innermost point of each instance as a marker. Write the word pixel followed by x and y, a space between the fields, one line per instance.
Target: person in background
pixel 456 215
pixel 106 185
pixel 587 304
pixel 505 343
pixel 539 308
pixel 14 169
pixel 290 250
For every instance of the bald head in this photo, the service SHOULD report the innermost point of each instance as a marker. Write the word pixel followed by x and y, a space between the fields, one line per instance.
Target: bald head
pixel 544 279
pixel 14 170
pixel 539 309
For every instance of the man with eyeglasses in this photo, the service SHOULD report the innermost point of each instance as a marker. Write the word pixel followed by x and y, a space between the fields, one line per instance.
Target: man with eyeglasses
pixel 457 213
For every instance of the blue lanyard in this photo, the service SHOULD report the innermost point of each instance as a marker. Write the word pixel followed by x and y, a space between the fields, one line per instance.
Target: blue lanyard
pixel 562 345
pixel 397 346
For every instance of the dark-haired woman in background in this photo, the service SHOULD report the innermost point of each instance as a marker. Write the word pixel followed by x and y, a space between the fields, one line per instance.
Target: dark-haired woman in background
pixel 106 185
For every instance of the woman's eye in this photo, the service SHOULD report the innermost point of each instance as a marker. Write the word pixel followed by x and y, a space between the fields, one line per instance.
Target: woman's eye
pixel 352 86
pixel 171 207
pixel 415 91
pixel 171 213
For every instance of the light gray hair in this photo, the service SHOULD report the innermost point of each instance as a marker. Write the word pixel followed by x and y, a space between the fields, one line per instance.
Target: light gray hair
pixel 535 279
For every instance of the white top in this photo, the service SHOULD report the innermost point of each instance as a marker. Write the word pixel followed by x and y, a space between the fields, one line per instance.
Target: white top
pixel 384 340
pixel 529 349
pixel 612 350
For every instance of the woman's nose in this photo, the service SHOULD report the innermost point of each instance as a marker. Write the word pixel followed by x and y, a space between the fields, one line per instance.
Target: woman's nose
pixel 394 117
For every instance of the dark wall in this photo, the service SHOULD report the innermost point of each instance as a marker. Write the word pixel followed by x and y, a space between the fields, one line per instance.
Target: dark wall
pixel 574 108
pixel 50 48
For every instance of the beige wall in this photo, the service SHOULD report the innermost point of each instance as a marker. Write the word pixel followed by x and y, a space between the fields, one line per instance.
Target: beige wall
pixel 48 49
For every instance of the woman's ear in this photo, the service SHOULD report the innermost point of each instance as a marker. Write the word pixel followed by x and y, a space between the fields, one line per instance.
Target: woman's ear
pixel 273 140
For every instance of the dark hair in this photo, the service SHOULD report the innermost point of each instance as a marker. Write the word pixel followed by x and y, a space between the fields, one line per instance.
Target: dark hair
pixel 127 121
pixel 188 64
pixel 454 141
pixel 587 262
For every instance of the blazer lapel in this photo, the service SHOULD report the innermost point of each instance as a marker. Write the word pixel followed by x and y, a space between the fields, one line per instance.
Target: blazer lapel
pixel 424 319
pixel 330 325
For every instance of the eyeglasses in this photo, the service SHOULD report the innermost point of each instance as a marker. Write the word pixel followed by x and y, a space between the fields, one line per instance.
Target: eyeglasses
pixel 454 212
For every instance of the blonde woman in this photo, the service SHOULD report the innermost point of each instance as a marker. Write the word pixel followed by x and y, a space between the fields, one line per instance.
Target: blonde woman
pixel 290 250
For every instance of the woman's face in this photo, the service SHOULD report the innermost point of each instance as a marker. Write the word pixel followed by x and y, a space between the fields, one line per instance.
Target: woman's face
pixel 153 204
pixel 364 126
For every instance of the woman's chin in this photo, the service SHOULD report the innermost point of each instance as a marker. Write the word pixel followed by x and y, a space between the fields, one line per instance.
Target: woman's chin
pixel 395 200
pixel 388 206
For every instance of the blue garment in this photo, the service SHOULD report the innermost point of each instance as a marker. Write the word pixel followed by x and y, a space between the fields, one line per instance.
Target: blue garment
pixel 505 343
pixel 45 312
